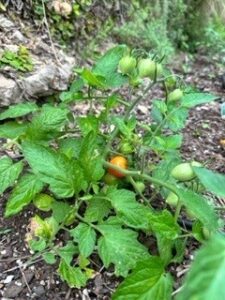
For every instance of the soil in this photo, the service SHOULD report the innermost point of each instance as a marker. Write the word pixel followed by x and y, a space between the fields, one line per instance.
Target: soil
pixel 202 135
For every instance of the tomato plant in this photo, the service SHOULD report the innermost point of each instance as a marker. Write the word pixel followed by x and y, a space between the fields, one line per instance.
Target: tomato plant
pixel 64 168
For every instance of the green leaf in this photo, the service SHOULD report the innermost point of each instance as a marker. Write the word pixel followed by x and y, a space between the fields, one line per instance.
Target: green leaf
pixel 60 210
pixel 68 97
pixel 49 119
pixel 163 224
pixel 120 247
pixel 194 99
pixel 166 143
pixel 88 124
pixel 165 247
pixel 9 172
pixel 176 118
pixel 64 176
pixel 18 110
pixel 200 208
pixel 159 110
pixel 180 248
pixel 85 236
pixel 12 130
pixel 26 189
pixel 90 159
pixel 205 279
pixel 97 209
pixel 74 276
pixel 93 79
pixel 49 258
pixel 107 66
pixel 212 181
pixel 67 252
pixel 129 210
pixel 124 129
pixel 147 281
pixel 76 85
pixel 37 245
pixel 71 146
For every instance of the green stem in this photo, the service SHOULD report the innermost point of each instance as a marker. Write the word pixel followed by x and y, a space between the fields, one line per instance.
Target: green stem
pixel 88 223
pixel 177 212
pixel 127 114
pixel 130 178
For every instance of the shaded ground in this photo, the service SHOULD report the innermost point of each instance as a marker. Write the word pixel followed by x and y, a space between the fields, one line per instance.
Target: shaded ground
pixel 204 130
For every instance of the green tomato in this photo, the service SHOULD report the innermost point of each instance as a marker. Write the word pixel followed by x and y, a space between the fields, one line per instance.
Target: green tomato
pixel 149 68
pixel 126 148
pixel 183 172
pixel 140 186
pixel 146 67
pixel 109 179
pixel 127 64
pixel 175 95
pixel 172 199
pixel 43 202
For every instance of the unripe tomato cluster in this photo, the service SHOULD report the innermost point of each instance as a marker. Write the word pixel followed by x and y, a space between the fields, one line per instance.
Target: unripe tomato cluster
pixel 144 68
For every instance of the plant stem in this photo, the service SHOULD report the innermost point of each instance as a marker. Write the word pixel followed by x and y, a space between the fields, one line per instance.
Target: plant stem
pixel 177 212
pixel 130 178
pixel 127 114
pixel 79 217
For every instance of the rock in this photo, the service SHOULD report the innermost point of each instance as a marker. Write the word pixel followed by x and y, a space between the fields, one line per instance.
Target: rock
pixel 9 91
pixel 12 291
pixel 52 70
pixel 6 24
pixel 48 79
pixel 15 287
pixel 39 290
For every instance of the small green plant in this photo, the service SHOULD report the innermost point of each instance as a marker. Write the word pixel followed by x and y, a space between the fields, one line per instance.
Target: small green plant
pixel 75 170
pixel 19 60
pixel 61 16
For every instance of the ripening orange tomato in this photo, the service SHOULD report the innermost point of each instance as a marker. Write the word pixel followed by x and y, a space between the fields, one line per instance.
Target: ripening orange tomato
pixel 118 161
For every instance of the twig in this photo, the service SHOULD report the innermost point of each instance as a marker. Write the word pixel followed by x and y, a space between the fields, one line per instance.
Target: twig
pixel 14 258
pixel 49 34
pixel 25 280
pixel 67 297
pixel 177 290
